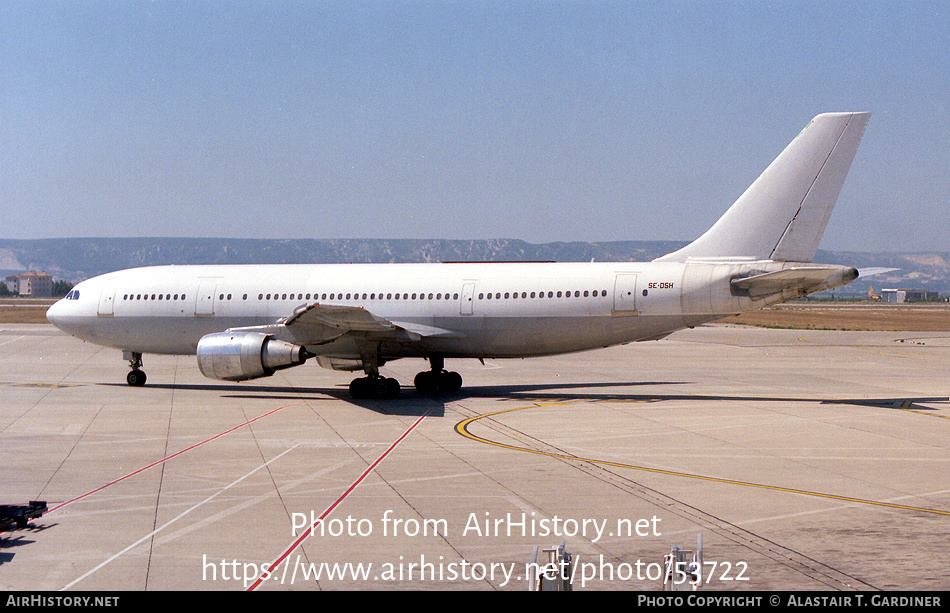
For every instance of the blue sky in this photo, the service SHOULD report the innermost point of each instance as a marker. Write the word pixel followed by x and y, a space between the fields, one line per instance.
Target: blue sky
pixel 538 120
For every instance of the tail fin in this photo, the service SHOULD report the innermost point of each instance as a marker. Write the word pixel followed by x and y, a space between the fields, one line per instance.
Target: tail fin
pixel 784 212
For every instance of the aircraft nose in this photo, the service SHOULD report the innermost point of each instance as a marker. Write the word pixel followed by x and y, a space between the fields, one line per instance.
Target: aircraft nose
pixel 55 313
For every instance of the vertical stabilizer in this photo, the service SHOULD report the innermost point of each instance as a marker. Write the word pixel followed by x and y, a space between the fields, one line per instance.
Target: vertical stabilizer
pixel 783 214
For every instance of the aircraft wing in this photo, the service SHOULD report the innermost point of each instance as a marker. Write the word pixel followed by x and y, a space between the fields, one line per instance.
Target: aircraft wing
pixel 805 279
pixel 334 320
pixel 316 324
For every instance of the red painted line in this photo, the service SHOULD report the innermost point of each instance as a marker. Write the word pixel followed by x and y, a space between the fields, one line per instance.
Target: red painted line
pixel 352 487
pixel 167 458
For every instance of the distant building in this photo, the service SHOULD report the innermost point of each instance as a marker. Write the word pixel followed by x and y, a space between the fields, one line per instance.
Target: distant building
pixel 36 284
pixel 908 295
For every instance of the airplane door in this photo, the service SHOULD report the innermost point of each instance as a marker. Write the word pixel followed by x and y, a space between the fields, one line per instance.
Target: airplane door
pixel 467 305
pixel 625 294
pixel 107 303
pixel 204 304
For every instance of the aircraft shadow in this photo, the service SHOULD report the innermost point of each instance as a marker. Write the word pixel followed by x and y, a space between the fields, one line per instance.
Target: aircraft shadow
pixel 413 403
pixel 8 543
pixel 573 392
pixel 409 402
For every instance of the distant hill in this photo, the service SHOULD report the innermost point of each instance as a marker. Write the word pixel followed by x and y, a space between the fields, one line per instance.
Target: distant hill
pixel 75 259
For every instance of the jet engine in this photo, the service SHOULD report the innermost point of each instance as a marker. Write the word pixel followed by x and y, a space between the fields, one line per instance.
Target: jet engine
pixel 238 356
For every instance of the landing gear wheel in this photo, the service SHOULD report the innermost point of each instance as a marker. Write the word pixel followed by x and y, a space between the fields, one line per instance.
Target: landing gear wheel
pixel 392 388
pixel 374 387
pixel 426 382
pixel 450 382
pixel 135 378
pixel 430 382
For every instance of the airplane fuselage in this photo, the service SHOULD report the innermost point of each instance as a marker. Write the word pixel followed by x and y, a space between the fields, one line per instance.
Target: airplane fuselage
pixel 473 310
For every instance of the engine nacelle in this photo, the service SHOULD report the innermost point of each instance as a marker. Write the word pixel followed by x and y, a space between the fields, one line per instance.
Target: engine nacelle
pixel 238 356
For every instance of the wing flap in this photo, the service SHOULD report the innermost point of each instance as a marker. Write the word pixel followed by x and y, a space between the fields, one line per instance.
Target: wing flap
pixel 422 330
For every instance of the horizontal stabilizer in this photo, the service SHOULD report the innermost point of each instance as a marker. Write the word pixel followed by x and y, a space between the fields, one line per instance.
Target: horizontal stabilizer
pixel 800 279
pixel 879 270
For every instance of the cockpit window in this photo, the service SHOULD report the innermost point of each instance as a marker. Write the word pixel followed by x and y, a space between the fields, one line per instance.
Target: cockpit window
pixel 73 295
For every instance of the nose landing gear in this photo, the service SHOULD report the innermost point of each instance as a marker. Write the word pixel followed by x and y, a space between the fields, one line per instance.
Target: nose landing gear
pixel 136 377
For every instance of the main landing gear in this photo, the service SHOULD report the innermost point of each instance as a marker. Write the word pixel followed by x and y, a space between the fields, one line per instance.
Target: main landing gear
pixel 136 377
pixel 438 379
pixel 374 386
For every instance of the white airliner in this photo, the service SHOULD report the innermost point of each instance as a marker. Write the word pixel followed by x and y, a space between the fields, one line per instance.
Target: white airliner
pixel 248 321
